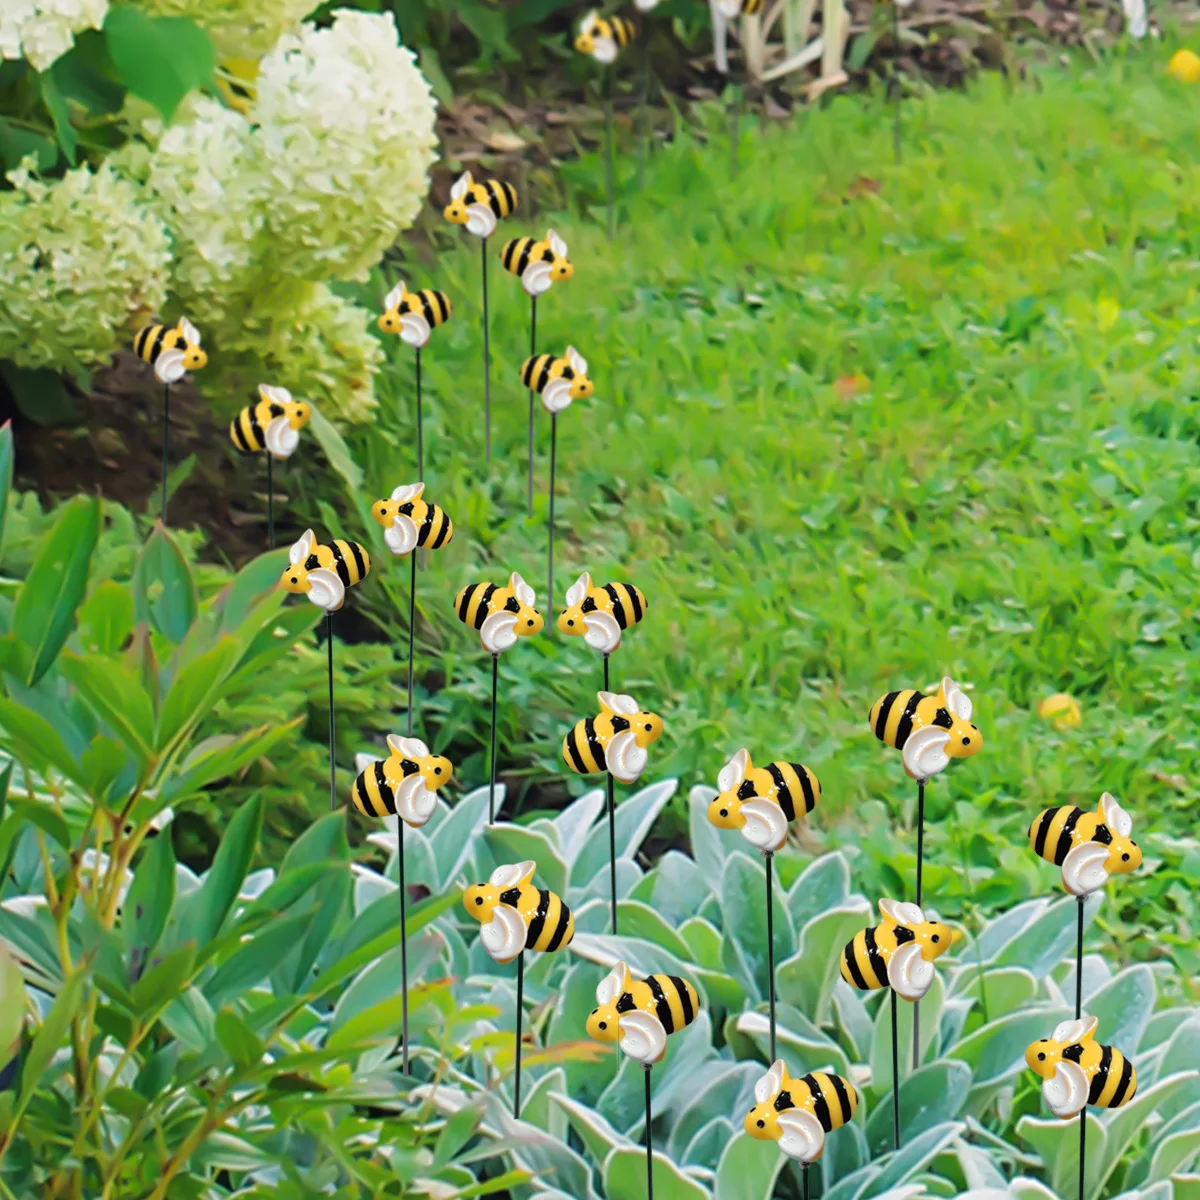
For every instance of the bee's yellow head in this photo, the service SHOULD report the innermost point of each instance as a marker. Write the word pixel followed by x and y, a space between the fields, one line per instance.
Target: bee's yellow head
pixel 561 270
pixel 602 1023
pixel 725 811
pixel 295 579
pixel 647 727
pixel 436 770
pixel 194 358
pixel 456 211
pixel 390 321
pixel 762 1122
pixel 934 938
pixel 585 43
pixel 529 622
pixel 965 740
pixel 1043 1056
pixel 581 387
pixel 570 621
pixel 480 901
pixel 299 414
pixel 385 511
pixel 1124 854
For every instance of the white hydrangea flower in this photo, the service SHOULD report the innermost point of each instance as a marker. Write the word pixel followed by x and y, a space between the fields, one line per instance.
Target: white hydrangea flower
pixel 42 31
pixel 239 28
pixel 346 136
pixel 82 260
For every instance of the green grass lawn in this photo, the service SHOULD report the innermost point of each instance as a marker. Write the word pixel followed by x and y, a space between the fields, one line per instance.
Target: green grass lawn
pixel 849 436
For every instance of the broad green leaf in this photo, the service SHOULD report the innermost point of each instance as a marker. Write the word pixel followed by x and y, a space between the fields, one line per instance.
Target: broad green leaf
pixel 159 59
pixel 35 742
pixel 106 619
pixel 255 580
pixel 164 593
pixel 1174 1151
pixel 575 821
pixel 1057 1142
pixel 51 1035
pixel 625 1178
pixel 254 960
pixel 641 921
pixel 219 891
pixel 806 979
pixel 148 904
pixel 1044 942
pixel 17 144
pixel 928 1097
pixel 515 843
pixel 1123 1006
pixel 745 1172
pixel 1127 1122
pixel 710 845
pixel 997 1050
pixel 221 757
pixel 190 1018
pixel 56 106
pixel 456 1133
pixel 193 690
pixel 744 908
pixel 31 940
pixel 116 697
pixel 881 1040
pixel 164 981
pixel 913 1156
pixel 44 613
pixel 596 1134
pixel 823 884
pixel 338 454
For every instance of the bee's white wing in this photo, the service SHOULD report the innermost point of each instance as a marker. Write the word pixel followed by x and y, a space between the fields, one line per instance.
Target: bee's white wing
pixel 556 395
pixel 395 295
pixel 302 549
pixel 616 702
pixel 1085 869
pixel 577 592
pixel 189 331
pixel 168 366
pixel 280 438
pixel 577 361
pixel 729 8
pixel 363 761
pixel 924 754
pixel 734 771
pixel 1075 1030
pixel 407 491
pixel 625 759
pixel 498 632
pixel 602 632
pixel 522 590
pixel 415 803
pixel 325 589
pixel 556 243
pixel 957 701
pixel 513 874
pixel 503 936
pixel 1067 1092
pixel 613 984
pixel 414 330
pixel 604 50
pixel 909 974
pixel 535 279
pixel 273 394
pixel 407 747
pixel 481 221
pixel 460 186
pixel 766 825
pixel 720 24
pixel 902 913
pixel 401 535
pixel 803 1136
pixel 770 1084
pixel 1115 817
pixel 643 1036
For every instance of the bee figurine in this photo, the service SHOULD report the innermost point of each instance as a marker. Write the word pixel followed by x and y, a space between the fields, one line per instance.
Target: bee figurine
pixel 640 1015
pixel 798 1113
pixel 603 38
pixel 479 206
pixel 898 953
pixel 516 916
pixel 760 801
pixel 404 784
pixel 538 264
pixel 557 380
pixel 614 740
pixel 599 614
pixel 413 315
pixel 501 614
pixel 409 522
pixel 1078 1071
pixel 1088 846
pixel 172 352
pixel 927 730
pixel 323 573
pixel 273 424
pixel 721 13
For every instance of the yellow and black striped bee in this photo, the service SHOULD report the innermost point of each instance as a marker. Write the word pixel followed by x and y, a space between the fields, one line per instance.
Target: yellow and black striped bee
pixel 538 264
pixel 927 730
pixel 603 38
pixel 404 784
pixel 479 206
pixel 324 572
pixel 641 1014
pixel 1088 846
pixel 558 380
pixel 171 351
pixel 760 801
pixel 413 315
pixel 501 614
pixel 516 916
pixel 897 953
pixel 614 740
pixel 599 614
pixel 409 522
pixel 273 424
pixel 1079 1071
pixel 798 1113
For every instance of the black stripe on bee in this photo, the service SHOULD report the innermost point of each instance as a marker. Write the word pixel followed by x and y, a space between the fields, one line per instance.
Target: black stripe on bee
pixel 873 956
pixel 426 525
pixel 1064 837
pixel 662 1004
pixel 594 743
pixel 782 791
pixel 685 999
pixel 439 538
pixel 903 935
pixel 482 611
pixel 339 563
pixel 635 599
pixel 810 799
pixel 843 1096
pixel 1039 846
pixel 885 709
pixel 572 745
pixel 511 896
pixel 544 375
pixel 156 349
pixel 746 790
pixel 1101 1076
pixel 625 1003
pixel 820 1104
pixel 618 607
pixel 539 919
pixel 784 1101
pixel 312 562
pixel 1073 1053
pixel 1103 835
pixel 1119 1095
pixel 904 728
pixel 850 958
pixel 560 931
pixel 943 718
pixel 619 724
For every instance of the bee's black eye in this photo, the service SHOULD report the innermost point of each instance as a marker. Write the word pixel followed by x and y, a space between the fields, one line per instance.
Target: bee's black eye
pixel 724 812
pixel 966 741
pixel 603 1025
pixel 1124 857
pixel 437 770
pixel 530 621
pixel 936 938
pixel 571 621
pixel 1041 1057
pixel 478 899
pixel 762 1124
pixel 648 728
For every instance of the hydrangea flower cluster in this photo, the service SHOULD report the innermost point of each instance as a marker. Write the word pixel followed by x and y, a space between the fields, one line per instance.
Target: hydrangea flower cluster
pixel 82 261
pixel 44 30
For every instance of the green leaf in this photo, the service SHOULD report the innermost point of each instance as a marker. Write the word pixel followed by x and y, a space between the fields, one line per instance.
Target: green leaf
pixel 87 75
pixel 254 960
pixel 159 59
pixel 148 904
pixel 164 593
pixel 338 454
pixel 928 1097
pixel 806 980
pixel 234 855
pixel 164 982
pixel 193 690
pixel 515 843
pixel 12 1006
pixel 35 741
pixel 625 1178
pixel 258 578
pixel 41 394
pixel 6 461
pixel 237 1039
pixel 116 696
pixel 56 105
pixel 106 619
pixel 45 609
pixel 745 1172
pixel 16 144
pixel 221 757
pixel 51 1036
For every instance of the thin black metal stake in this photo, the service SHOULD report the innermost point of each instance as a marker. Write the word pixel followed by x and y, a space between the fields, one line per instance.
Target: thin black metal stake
pixel 420 423
pixel 487 360
pixel 532 353
pixel 412 625
pixel 270 501
pixel 649 1142
pixel 1082 1148
pixel 332 765
pixel 492 766
pixel 609 169
pixel 895 1075
pixel 916 1046
pixel 520 995
pixel 403 944
pixel 166 438
pixel 735 120
pixel 804 1175
pixel 771 949
pixel 1079 963
pixel 612 847
pixel 550 523
pixel 896 132
pixel 643 97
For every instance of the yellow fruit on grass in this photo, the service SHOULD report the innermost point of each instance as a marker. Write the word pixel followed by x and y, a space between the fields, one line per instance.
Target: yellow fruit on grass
pixel 1063 710
pixel 1184 66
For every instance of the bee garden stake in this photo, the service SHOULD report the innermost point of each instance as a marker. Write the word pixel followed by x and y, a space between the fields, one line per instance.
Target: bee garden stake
pixel 403 785
pixel 539 265
pixel 516 916
pixel 409 522
pixel 1089 847
pixel 479 206
pixel 172 352
pixel 760 802
pixel 639 1016
pixel 412 316
pixel 323 573
pixel 928 730
pixel 558 381
pixel 897 954
pixel 614 741
pixel 272 426
pixel 501 615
